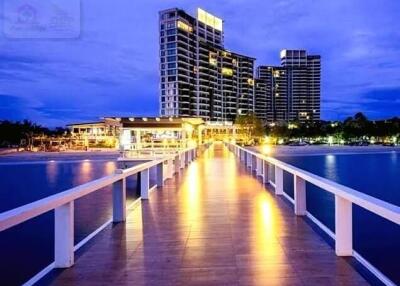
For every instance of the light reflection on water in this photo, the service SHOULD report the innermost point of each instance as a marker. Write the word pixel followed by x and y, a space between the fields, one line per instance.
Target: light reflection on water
pixel 330 167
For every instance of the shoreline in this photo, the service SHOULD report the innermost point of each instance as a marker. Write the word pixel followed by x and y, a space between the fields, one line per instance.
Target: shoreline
pixel 26 156
pixel 320 150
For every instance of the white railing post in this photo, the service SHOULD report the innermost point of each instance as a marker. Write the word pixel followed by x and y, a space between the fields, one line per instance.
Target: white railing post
pixel 259 166
pixel 170 168
pixel 266 172
pixel 144 184
pixel 187 158
pixel 183 159
pixel 119 199
pixel 64 235
pixel 177 163
pixel 343 227
pixel 278 181
pixel 190 156
pixel 252 164
pixel 300 205
pixel 160 174
pixel 249 160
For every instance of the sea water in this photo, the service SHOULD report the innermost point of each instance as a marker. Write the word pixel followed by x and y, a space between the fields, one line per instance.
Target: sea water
pixel 377 175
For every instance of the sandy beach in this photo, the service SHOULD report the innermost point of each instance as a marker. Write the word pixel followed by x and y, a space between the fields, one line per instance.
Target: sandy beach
pixel 325 149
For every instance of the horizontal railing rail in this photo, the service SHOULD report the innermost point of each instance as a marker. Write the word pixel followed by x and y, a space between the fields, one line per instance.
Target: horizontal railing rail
pixel 345 197
pixel 63 203
pixel 138 153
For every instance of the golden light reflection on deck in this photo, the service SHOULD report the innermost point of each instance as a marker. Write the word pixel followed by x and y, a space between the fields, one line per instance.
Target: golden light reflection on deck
pixel 265 231
pixel 191 191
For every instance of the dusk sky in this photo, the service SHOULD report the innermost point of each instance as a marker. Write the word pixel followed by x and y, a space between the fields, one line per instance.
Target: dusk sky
pixel 111 68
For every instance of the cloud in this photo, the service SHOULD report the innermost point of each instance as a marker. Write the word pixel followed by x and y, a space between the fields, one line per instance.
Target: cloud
pixel 112 68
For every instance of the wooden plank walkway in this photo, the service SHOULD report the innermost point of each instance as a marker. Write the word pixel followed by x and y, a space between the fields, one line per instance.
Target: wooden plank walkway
pixel 215 224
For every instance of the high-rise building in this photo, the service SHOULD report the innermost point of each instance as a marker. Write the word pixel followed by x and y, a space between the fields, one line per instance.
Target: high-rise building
pixel 198 76
pixel 293 89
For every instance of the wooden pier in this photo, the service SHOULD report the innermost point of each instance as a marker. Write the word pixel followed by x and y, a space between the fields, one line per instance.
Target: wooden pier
pixel 213 224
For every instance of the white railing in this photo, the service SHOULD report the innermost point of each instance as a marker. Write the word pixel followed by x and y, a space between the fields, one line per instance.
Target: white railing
pixel 344 198
pixel 148 152
pixel 63 203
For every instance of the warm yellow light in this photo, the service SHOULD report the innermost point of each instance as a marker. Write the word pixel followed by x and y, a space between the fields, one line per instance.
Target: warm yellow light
pixel 188 128
pixel 209 19
pixel 250 81
pixel 267 139
pixel 192 143
pixel 183 26
pixel 213 59
pixel 266 149
pixel 227 71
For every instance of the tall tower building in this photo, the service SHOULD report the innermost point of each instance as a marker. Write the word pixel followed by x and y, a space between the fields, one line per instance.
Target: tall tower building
pixel 198 76
pixel 293 89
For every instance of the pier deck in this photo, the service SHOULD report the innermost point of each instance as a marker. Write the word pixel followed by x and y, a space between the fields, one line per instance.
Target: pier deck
pixel 214 224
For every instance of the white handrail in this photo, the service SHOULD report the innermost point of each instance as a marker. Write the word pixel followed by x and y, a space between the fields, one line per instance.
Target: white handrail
pixel 344 198
pixel 63 203
pixel 23 213
pixel 384 209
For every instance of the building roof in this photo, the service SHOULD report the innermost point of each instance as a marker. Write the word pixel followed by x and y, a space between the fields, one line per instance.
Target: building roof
pixel 157 122
pixel 85 123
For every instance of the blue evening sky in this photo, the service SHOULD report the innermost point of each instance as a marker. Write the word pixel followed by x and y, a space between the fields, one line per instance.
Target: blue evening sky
pixel 111 68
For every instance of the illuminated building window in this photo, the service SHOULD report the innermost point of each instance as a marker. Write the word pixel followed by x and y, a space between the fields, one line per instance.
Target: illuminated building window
pixel 227 71
pixel 276 73
pixel 250 81
pixel 213 59
pixel 184 26
pixel 225 54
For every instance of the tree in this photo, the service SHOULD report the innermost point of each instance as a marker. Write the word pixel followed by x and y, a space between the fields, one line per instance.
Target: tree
pixel 21 134
pixel 250 125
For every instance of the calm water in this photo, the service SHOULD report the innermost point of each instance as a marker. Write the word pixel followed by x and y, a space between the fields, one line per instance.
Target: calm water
pixel 28 248
pixel 378 175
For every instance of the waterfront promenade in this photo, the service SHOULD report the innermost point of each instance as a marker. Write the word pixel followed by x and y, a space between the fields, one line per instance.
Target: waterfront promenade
pixel 214 224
